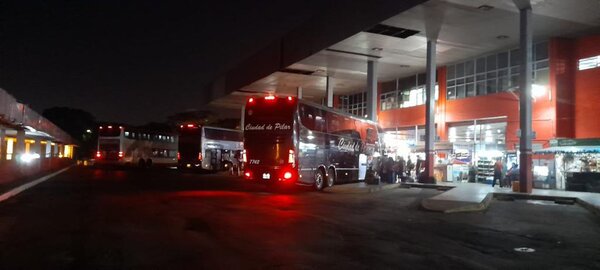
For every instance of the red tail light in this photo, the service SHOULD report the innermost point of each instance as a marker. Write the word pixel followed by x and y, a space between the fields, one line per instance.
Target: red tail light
pixel 190 125
pixel 247 175
pixel 178 156
pixel 270 98
pixel 200 156
pixel 98 154
pixel 251 100
pixel 287 175
pixel 290 98
pixel 120 154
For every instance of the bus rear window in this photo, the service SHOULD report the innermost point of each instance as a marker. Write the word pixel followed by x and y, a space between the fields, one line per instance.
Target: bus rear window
pixel 270 116
pixel 109 131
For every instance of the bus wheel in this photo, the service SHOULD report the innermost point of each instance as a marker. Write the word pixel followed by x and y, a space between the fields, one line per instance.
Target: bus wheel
pixel 149 163
pixel 141 163
pixel 330 177
pixel 319 180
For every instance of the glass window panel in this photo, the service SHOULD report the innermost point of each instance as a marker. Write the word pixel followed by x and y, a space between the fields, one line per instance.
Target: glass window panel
pixel 491 75
pixel 503 84
pixel 480 77
pixel 515 70
pixel 460 91
pixel 515 59
pixel 502 72
pixel 470 89
pixel 469 79
pixel 469 68
pixel 451 83
pixel 491 86
pixel 541 51
pixel 451 93
pixel 480 88
pixel 491 62
pixel 460 81
pixel 421 79
pixel 514 81
pixel 450 72
pixel 460 70
pixel 541 64
pixel 480 65
pixel 542 77
pixel 503 60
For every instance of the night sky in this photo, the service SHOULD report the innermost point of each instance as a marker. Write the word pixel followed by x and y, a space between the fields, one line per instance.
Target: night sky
pixel 131 62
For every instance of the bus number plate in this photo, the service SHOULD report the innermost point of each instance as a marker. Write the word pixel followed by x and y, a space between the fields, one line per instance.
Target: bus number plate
pixel 255 161
pixel 266 176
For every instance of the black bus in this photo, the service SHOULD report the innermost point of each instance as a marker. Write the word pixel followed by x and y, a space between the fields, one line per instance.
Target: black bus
pixel 209 148
pixel 288 140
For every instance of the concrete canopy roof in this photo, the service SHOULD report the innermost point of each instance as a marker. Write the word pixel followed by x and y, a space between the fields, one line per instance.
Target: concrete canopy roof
pixel 466 30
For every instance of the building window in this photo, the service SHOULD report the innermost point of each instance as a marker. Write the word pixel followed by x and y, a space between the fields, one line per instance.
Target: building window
pixel 494 73
pixel 409 92
pixel 355 104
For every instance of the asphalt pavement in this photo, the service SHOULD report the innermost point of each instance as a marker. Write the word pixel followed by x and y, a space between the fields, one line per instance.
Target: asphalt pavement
pixel 113 218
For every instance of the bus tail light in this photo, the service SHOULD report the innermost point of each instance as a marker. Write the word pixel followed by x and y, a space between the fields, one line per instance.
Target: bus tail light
pixel 287 175
pixel 251 100
pixel 244 158
pixel 290 98
pixel 98 155
pixel 248 175
pixel 291 157
pixel 178 156
pixel 120 154
pixel 200 156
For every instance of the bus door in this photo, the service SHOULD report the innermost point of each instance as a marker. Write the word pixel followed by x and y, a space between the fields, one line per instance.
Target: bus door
pixel 362 166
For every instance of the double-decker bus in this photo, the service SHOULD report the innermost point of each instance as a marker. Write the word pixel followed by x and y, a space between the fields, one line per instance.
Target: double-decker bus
pixel 287 140
pixel 209 148
pixel 118 144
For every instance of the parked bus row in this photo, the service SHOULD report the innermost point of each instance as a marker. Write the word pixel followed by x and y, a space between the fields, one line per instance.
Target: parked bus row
pixel 284 140
pixel 193 147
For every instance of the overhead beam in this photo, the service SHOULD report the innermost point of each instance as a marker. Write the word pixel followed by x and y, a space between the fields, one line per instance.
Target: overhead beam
pixel 335 21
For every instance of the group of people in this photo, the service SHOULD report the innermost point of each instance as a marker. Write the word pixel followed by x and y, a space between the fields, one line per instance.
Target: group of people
pixel 390 170
pixel 512 174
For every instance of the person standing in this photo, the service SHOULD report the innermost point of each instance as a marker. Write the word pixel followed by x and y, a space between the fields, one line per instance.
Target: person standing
pixel 409 166
pixel 497 172
pixel 401 168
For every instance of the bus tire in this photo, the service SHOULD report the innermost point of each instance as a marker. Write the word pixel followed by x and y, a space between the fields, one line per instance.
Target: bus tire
pixel 141 163
pixel 319 179
pixel 149 163
pixel 330 177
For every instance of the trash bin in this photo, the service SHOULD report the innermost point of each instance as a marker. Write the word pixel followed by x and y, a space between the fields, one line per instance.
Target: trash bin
pixel 515 186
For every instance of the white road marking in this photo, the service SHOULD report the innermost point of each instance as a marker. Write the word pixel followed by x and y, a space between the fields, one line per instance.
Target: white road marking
pixel 28 185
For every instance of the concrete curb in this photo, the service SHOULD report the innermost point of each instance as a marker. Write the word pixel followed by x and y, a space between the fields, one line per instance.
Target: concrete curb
pixel 362 190
pixel 13 192
pixel 447 206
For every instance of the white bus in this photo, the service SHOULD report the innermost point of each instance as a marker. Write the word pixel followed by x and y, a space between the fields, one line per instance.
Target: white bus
pixel 118 144
pixel 209 148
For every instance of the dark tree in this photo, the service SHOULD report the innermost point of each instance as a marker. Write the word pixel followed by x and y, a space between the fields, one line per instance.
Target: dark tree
pixel 79 124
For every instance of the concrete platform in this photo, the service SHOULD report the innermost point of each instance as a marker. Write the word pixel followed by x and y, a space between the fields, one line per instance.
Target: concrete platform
pixel 465 197
pixel 360 187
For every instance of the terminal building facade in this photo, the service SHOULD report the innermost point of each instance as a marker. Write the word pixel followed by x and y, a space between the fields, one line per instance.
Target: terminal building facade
pixel 477 104
pixel 29 143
